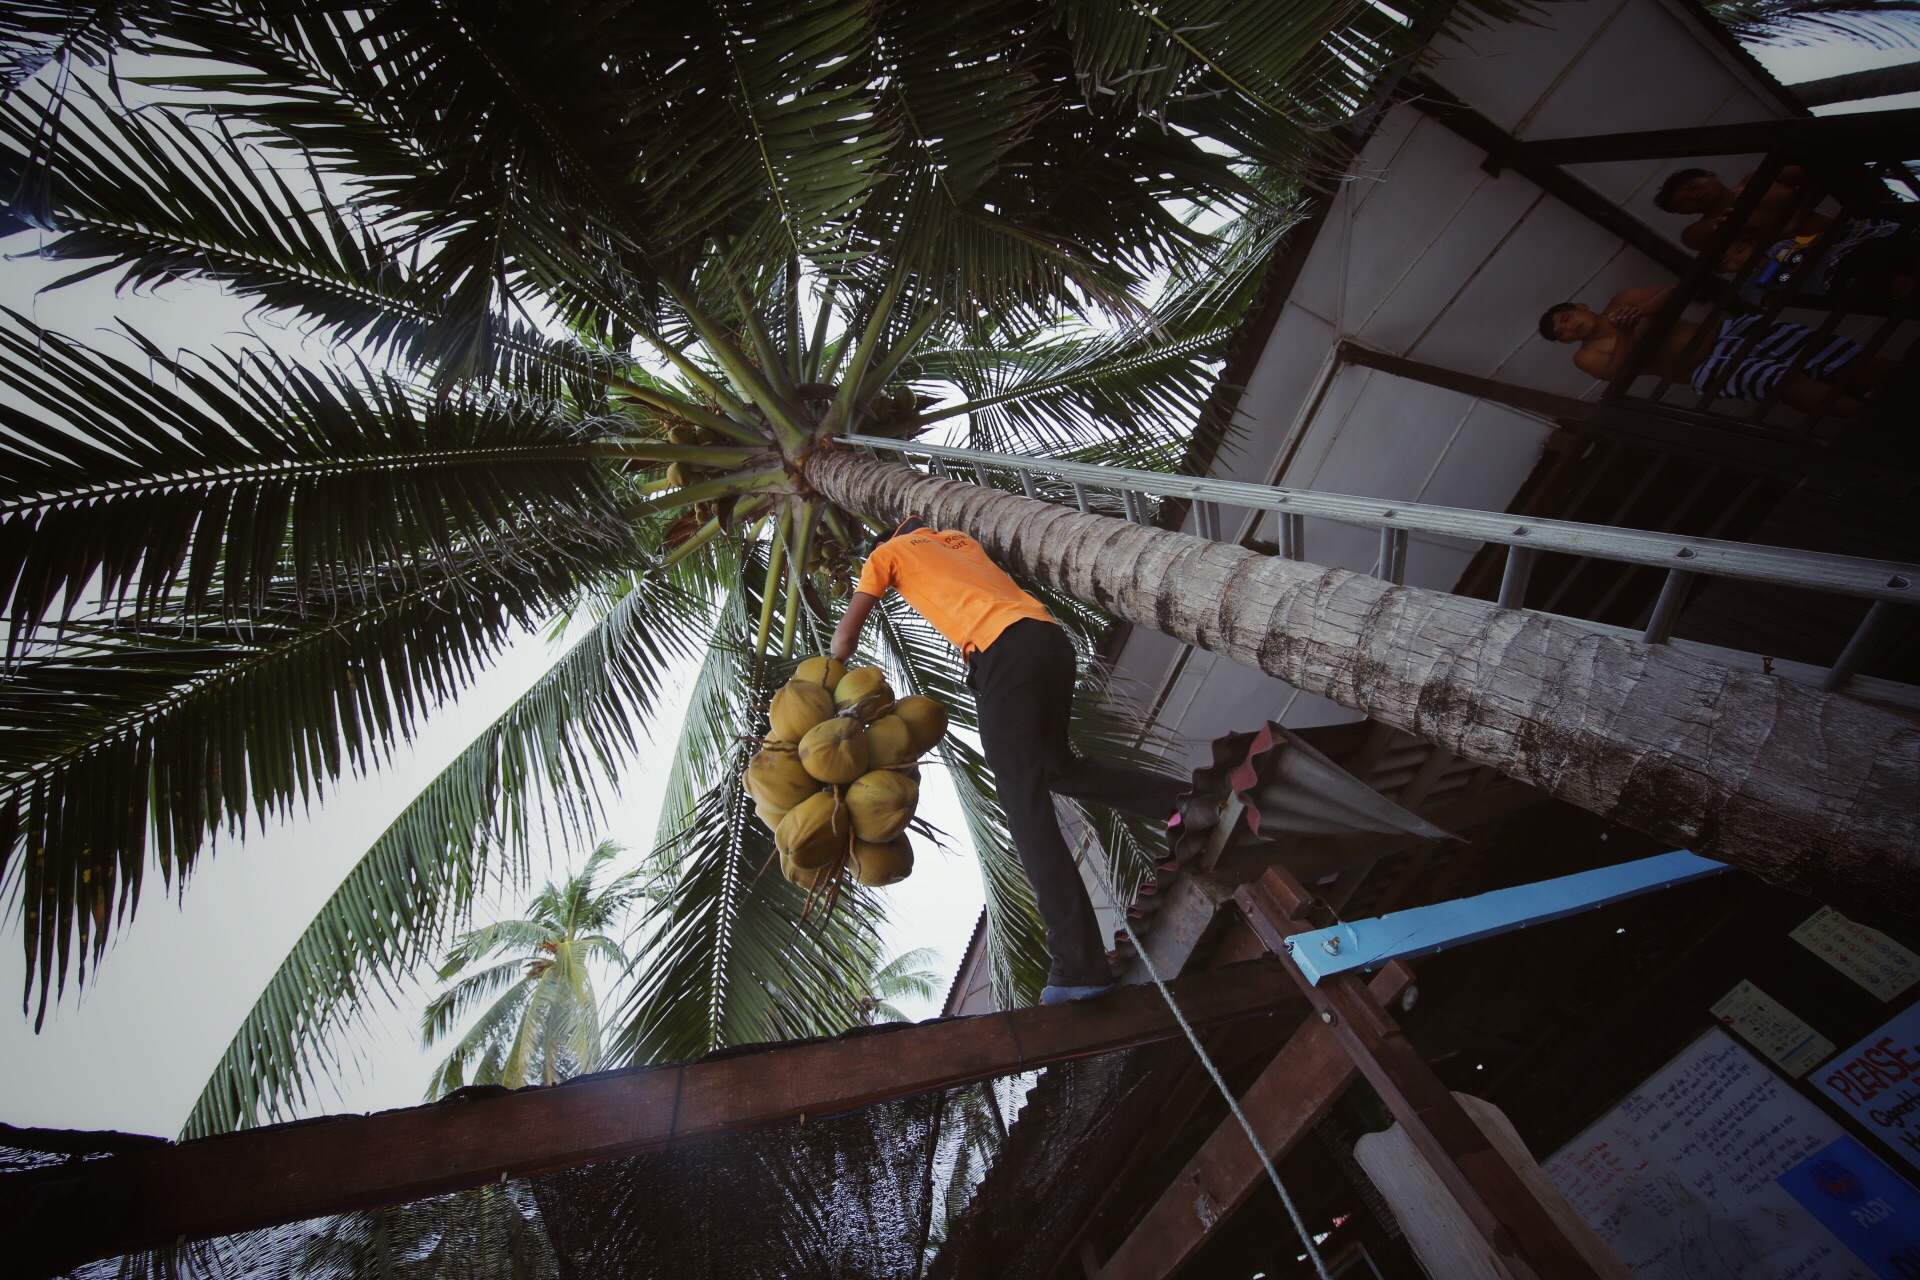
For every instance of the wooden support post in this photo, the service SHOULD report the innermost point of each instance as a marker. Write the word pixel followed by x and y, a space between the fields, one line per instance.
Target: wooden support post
pixel 1866 134
pixel 1502 1208
pixel 59 1217
pixel 1292 1095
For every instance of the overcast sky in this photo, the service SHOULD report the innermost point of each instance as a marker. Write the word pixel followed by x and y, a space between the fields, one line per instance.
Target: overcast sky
pixel 133 1051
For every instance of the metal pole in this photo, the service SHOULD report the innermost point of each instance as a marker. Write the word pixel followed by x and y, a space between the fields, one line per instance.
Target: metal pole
pixel 1513 582
pixel 1782 566
pixel 1859 647
pixel 1293 536
pixel 1666 610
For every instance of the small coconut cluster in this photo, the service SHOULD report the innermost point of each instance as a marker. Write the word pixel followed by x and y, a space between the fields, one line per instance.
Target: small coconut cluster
pixel 837 781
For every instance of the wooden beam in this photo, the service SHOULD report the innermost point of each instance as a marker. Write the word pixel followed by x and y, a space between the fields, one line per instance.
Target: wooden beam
pixel 1856 86
pixel 1500 146
pixel 1865 134
pixel 1644 424
pixel 66 1215
pixel 1291 1096
pixel 1194 902
pixel 1519 1229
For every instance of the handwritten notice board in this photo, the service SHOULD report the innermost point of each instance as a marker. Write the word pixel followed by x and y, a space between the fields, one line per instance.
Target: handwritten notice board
pixel 1681 1179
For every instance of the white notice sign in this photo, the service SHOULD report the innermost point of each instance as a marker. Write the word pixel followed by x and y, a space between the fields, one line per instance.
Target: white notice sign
pixel 1769 1027
pixel 1871 959
pixel 1679 1178
pixel 1877 1082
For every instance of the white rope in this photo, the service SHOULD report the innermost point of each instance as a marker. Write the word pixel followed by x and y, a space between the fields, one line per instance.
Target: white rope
pixel 1233 1104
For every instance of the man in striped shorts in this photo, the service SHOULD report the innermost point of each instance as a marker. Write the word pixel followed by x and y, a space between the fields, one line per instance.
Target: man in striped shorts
pixel 1747 362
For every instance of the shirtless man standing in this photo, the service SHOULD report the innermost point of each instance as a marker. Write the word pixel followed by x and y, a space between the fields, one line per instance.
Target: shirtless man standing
pixel 1700 192
pixel 1608 337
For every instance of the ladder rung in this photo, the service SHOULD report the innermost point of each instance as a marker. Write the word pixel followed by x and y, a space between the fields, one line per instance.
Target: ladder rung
pixel 1513 583
pixel 1293 536
pixel 1206 520
pixel 1859 648
pixel 1666 610
pixel 1393 555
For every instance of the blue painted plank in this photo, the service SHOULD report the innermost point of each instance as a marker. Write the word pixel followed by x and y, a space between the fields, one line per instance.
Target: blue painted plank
pixel 1419 931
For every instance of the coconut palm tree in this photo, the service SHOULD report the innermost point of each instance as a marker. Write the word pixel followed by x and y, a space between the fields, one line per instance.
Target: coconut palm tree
pixel 542 1018
pixel 907 974
pixel 600 287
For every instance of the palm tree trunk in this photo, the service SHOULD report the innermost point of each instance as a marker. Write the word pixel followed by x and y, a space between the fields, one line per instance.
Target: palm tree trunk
pixel 1813 791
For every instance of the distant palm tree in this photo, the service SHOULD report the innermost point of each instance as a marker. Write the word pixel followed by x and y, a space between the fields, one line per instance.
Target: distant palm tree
pixel 907 974
pixel 544 1020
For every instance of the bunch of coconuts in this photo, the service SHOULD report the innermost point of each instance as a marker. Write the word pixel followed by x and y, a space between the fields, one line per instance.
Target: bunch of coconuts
pixel 836 782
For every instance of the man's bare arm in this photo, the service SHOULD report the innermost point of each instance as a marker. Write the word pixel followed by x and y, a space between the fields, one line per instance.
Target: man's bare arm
pixel 846 636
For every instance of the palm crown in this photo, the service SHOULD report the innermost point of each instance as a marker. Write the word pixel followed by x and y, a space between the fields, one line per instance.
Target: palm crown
pixel 542 1019
pixel 601 282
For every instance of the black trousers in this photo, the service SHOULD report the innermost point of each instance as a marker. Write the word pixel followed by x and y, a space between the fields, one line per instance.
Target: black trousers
pixel 1023 685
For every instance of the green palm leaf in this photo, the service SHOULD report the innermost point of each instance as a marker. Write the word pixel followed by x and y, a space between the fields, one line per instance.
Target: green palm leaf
pixel 470 830
pixel 258 476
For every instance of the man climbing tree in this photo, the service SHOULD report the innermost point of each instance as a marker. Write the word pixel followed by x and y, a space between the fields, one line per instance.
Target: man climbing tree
pixel 1020 666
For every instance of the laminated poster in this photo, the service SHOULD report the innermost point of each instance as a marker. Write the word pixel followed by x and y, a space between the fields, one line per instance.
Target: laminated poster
pixel 1871 959
pixel 1877 1084
pixel 1707 1171
pixel 1772 1028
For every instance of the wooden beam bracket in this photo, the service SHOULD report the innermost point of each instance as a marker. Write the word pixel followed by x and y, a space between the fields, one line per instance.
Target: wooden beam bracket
pixel 1519 1229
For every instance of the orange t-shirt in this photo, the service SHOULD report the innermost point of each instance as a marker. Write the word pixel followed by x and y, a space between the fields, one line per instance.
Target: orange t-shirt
pixel 951 583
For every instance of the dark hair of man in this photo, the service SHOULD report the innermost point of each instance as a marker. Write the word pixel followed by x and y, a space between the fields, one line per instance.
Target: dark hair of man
pixel 1663 198
pixel 911 524
pixel 1547 318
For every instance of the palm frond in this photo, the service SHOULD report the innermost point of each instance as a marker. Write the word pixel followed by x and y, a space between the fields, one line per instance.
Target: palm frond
pixel 252 476
pixel 724 957
pixel 470 829
pixel 37 33
pixel 1060 393
pixel 1879 24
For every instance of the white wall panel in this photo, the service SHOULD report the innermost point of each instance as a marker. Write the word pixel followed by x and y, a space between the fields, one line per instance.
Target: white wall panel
pixel 1503 70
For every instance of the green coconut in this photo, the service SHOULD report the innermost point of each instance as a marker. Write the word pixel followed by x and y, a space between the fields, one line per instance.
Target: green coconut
pixel 925 719
pixel 821 670
pixel 835 751
pixel 805 877
pixel 889 742
pixel 777 779
pixel 866 689
pixel 882 804
pixel 798 707
pixel 879 865
pixel 814 832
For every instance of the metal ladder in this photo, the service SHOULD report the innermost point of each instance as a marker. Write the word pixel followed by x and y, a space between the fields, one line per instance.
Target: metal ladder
pixel 1888 583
